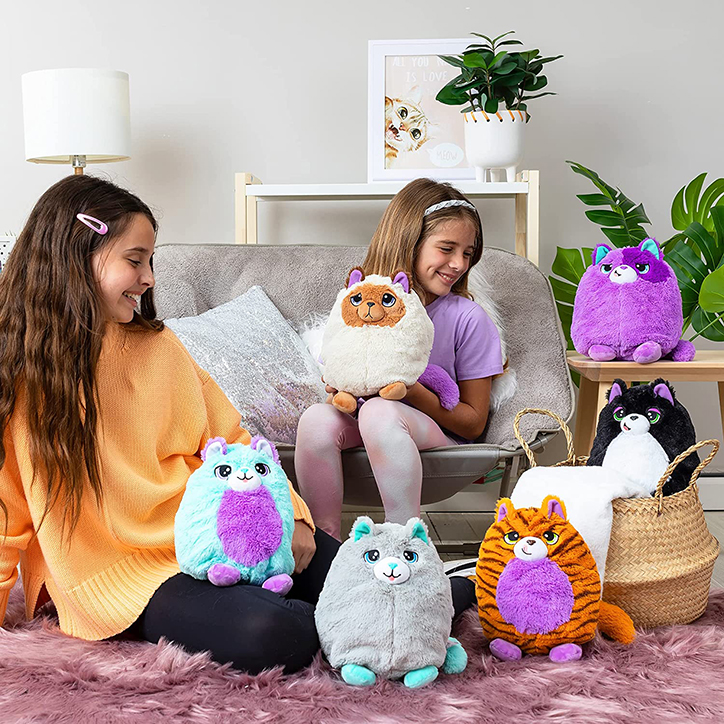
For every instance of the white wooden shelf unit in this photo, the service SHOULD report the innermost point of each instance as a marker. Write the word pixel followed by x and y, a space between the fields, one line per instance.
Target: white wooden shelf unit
pixel 524 190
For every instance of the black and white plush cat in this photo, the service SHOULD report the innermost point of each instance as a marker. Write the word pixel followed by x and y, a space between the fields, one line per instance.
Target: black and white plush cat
pixel 640 431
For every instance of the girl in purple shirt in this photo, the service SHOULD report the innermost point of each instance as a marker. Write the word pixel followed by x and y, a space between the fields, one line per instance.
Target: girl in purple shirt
pixel 431 229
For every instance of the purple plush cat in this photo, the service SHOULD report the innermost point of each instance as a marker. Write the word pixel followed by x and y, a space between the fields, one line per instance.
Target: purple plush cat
pixel 628 307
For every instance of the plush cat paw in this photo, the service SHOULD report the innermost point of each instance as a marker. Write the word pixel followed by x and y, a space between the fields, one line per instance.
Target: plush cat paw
pixel 647 353
pixel 280 584
pixel 345 402
pixel 356 675
pixel 684 351
pixel 456 658
pixel 505 651
pixel 565 652
pixel 601 353
pixel 394 391
pixel 222 575
pixel 419 677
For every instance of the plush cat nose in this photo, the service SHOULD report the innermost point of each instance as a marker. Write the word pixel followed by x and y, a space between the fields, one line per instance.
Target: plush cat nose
pixel 392 566
pixel 531 541
pixel 634 417
pixel 370 304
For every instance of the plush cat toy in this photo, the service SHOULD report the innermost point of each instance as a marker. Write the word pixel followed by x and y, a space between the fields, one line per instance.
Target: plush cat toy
pixel 235 521
pixel 378 340
pixel 628 307
pixel 538 588
pixel 640 431
pixel 386 607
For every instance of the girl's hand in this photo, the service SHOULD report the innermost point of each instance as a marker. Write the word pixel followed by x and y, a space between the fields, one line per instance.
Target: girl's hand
pixel 303 545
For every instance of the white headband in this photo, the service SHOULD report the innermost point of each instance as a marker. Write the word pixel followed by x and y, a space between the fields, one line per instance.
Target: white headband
pixel 446 204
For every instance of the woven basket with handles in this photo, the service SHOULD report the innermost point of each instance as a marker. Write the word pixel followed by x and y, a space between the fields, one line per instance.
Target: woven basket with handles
pixel 661 556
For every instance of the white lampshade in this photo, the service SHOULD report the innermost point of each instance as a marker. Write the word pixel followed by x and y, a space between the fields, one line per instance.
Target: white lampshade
pixel 76 112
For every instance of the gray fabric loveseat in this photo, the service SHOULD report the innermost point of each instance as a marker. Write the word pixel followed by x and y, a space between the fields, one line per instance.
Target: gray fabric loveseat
pixel 299 280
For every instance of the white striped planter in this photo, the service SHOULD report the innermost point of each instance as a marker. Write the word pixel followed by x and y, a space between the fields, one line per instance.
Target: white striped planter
pixel 494 141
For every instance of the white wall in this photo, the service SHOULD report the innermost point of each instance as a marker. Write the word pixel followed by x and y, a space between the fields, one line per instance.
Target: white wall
pixel 280 89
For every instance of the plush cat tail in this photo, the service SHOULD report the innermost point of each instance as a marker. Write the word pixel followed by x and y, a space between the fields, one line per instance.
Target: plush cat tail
pixel 651 245
pixel 415 528
pixel 617 389
pixel 503 509
pixel 401 277
pixel 355 276
pixel 552 505
pixel 214 446
pixel 615 623
pixel 262 445
pixel 663 389
pixel 363 526
pixel 599 253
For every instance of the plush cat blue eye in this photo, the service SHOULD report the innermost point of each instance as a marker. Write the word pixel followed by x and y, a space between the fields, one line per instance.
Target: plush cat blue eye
pixel 550 537
pixel 642 268
pixel 262 469
pixel 388 300
pixel 618 414
pixel 653 414
pixel 372 556
pixel 410 556
pixel 511 537
pixel 606 268
pixel 356 300
pixel 222 471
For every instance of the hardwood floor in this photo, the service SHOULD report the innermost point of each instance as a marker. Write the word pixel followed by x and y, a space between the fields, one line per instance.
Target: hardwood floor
pixel 458 535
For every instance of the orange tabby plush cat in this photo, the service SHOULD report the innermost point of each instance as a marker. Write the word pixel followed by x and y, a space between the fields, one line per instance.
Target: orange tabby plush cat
pixel 538 588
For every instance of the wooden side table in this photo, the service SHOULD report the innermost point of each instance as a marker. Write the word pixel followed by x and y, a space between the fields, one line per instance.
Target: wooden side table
pixel 596 379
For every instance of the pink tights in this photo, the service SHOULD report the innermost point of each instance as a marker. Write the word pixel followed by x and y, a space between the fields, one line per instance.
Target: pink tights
pixel 391 432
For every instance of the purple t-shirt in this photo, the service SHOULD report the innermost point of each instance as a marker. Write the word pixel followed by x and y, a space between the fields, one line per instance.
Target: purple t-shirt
pixel 466 344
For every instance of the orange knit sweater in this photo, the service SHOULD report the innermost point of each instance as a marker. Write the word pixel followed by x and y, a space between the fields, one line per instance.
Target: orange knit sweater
pixel 157 410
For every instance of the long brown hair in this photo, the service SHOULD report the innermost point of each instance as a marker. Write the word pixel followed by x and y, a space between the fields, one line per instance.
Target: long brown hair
pixel 404 227
pixel 51 331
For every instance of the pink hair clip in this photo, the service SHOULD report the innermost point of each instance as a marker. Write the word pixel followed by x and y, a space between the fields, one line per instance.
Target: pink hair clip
pixel 91 221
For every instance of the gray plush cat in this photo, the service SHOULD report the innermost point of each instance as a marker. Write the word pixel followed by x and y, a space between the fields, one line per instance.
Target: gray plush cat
pixel 386 607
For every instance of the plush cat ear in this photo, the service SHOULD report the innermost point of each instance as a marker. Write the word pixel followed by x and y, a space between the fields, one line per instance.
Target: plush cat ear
pixel 652 246
pixel 355 276
pixel 402 278
pixel 214 447
pixel 262 445
pixel 504 507
pixel 553 506
pixel 617 389
pixel 599 253
pixel 364 525
pixel 662 389
pixel 415 528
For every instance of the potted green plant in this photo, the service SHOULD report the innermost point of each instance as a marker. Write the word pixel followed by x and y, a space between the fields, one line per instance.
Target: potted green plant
pixel 695 252
pixel 494 86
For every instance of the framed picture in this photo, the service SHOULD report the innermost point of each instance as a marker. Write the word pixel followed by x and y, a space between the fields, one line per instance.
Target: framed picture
pixel 410 134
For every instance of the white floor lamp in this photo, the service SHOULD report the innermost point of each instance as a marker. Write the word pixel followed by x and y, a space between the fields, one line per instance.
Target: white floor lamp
pixel 76 116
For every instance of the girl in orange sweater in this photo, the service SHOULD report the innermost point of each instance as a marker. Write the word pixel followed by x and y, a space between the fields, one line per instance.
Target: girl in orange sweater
pixel 103 414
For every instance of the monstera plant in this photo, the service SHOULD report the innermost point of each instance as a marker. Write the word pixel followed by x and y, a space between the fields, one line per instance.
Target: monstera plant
pixel 695 252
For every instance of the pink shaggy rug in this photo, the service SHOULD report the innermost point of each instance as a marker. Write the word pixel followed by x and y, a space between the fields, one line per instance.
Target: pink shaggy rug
pixel 670 675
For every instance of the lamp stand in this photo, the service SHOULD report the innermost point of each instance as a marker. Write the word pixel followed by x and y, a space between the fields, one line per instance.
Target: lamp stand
pixel 78 164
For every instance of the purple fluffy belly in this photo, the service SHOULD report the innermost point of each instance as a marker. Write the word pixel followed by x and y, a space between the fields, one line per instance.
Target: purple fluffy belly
pixel 249 526
pixel 535 597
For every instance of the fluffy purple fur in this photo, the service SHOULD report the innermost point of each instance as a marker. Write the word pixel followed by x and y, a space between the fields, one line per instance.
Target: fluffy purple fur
pixel 249 525
pixel 669 675
pixel 435 378
pixel 616 319
pixel 535 597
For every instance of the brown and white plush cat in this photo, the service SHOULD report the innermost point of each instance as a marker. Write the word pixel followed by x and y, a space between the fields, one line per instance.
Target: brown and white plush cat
pixel 406 126
pixel 377 339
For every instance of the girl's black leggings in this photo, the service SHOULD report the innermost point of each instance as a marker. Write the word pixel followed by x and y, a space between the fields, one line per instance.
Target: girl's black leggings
pixel 248 626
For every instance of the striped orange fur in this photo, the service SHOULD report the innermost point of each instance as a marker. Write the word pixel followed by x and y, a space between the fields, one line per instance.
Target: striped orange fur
pixel 546 531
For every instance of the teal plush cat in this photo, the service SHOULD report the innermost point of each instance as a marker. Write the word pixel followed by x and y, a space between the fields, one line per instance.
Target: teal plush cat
pixel 236 520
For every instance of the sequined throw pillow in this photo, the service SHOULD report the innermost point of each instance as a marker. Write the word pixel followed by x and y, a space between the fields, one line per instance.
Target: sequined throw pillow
pixel 257 359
